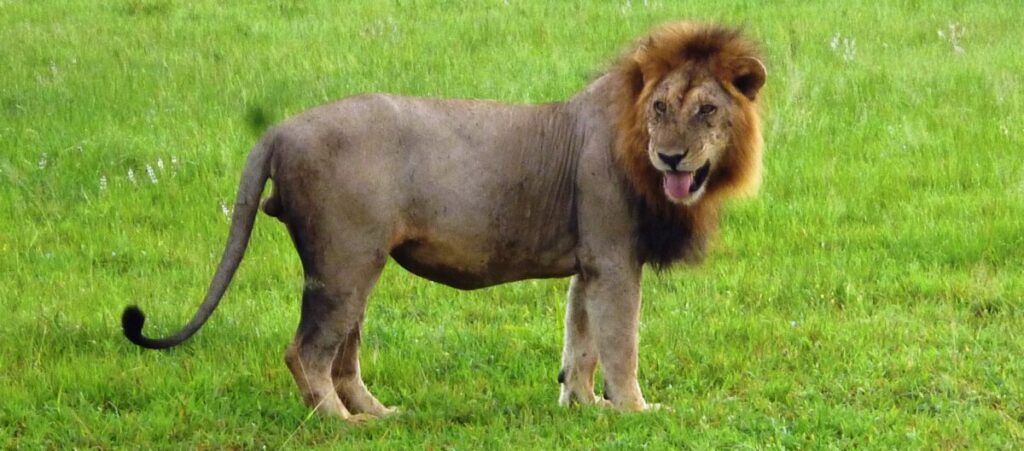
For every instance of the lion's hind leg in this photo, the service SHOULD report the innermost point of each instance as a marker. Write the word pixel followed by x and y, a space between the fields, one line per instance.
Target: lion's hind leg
pixel 316 343
pixel 340 272
pixel 349 381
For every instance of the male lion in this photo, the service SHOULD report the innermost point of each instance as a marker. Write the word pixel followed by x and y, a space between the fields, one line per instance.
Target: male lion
pixel 473 193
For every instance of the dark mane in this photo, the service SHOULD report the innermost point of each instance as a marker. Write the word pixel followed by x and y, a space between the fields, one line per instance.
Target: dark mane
pixel 668 235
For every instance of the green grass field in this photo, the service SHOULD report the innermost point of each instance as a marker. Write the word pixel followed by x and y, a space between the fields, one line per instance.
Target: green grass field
pixel 871 296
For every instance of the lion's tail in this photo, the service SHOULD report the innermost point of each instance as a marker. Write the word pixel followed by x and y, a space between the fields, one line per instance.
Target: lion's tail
pixel 254 177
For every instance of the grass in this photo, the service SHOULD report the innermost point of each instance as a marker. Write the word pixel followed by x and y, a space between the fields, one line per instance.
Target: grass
pixel 870 297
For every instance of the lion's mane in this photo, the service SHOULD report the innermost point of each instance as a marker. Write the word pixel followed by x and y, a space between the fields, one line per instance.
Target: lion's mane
pixel 669 232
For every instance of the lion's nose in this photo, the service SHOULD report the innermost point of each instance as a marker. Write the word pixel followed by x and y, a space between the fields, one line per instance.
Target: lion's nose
pixel 671 160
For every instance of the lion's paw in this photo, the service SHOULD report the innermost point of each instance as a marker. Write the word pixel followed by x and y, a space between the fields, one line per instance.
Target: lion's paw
pixel 389 411
pixel 570 397
pixel 656 407
pixel 360 418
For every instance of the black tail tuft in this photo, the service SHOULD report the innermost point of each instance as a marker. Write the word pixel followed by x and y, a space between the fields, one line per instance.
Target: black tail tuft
pixel 131 321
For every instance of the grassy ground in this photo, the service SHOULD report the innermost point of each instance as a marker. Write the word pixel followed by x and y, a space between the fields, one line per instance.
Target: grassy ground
pixel 870 297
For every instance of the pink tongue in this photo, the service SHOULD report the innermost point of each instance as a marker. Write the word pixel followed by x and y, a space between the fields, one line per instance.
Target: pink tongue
pixel 677 184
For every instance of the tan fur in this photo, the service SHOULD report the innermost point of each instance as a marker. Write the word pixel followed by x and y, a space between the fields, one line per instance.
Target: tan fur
pixel 474 193
pixel 646 65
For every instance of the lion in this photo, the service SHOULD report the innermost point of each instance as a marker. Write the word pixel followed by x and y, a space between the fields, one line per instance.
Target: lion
pixel 629 172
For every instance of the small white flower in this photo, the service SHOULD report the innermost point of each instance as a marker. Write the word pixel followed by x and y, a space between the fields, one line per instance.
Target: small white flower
pixel 174 161
pixel 160 163
pixel 792 324
pixel 42 161
pixel 954 34
pixel 131 175
pixel 224 209
pixel 103 183
pixel 845 47
pixel 151 173
pixel 849 49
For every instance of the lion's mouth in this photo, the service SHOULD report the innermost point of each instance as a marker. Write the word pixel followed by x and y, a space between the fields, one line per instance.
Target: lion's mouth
pixel 680 185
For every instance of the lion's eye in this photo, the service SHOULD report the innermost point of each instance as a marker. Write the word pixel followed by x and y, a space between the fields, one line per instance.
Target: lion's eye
pixel 706 109
pixel 660 107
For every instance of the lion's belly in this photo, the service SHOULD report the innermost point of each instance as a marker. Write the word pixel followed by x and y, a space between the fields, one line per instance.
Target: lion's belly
pixel 469 266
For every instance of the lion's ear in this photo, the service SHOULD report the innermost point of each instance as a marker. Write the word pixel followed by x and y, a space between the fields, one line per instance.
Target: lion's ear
pixel 641 49
pixel 642 57
pixel 748 75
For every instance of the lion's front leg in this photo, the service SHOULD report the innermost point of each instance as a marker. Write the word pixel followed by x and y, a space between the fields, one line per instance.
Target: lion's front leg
pixel 579 355
pixel 613 306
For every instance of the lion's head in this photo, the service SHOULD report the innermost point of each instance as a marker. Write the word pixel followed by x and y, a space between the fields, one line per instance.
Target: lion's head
pixel 688 130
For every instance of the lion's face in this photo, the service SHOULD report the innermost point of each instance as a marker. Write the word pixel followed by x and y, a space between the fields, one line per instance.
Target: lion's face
pixel 689 116
pixel 688 128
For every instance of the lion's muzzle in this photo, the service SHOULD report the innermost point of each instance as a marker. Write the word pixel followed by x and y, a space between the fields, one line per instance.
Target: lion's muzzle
pixel 685 186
